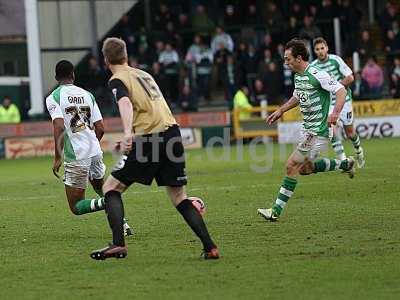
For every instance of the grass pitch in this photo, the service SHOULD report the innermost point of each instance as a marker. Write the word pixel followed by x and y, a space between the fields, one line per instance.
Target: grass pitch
pixel 338 238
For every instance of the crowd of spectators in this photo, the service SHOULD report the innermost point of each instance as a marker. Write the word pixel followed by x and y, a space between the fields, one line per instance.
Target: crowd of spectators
pixel 197 54
pixel 389 22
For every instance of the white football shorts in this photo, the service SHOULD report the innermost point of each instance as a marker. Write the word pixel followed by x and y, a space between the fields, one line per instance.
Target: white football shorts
pixel 346 115
pixel 310 146
pixel 78 172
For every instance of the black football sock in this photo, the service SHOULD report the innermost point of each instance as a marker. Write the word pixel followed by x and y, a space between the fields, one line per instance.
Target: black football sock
pixel 115 216
pixel 195 221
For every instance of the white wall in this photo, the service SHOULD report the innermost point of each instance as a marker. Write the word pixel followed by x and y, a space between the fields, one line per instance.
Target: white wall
pixel 50 59
pixel 66 24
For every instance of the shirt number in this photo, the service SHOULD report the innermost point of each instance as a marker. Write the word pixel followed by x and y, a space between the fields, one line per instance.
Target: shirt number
pixel 150 88
pixel 80 118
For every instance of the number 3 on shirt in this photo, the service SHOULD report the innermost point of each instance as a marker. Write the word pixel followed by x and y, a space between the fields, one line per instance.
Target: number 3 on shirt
pixel 150 88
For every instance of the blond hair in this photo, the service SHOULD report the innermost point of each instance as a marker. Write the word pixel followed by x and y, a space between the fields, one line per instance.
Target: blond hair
pixel 114 50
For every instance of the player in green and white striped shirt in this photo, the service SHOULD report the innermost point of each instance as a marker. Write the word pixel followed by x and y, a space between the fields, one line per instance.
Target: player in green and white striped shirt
pixel 313 88
pixel 338 69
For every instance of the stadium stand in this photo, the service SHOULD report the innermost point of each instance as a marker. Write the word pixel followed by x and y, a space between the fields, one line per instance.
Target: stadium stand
pixel 201 52
pixel 226 44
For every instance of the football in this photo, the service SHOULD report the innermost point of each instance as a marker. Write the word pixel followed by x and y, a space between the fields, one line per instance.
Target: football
pixel 199 204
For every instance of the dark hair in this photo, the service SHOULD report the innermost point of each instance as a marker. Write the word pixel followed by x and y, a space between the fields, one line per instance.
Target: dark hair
pixel 319 40
pixel 298 48
pixel 64 70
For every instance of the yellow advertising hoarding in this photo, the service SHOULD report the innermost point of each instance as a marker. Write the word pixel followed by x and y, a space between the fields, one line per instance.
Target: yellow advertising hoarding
pixel 255 125
pixel 390 107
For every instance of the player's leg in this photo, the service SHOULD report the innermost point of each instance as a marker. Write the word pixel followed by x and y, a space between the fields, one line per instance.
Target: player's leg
pixel 327 165
pixel 97 185
pixel 336 142
pixel 347 118
pixel 113 189
pixel 295 162
pixel 293 166
pixel 97 172
pixel 79 205
pixel 128 170
pixel 193 218
pixel 337 146
pixel 96 178
pixel 74 195
pixel 76 175
pixel 114 207
pixel 355 140
pixel 171 173
pixel 311 165
pixel 299 162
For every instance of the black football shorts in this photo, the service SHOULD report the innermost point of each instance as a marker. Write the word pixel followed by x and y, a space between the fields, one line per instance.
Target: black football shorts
pixel 158 156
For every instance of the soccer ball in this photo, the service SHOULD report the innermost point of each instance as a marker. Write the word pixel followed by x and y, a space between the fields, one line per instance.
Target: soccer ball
pixel 198 204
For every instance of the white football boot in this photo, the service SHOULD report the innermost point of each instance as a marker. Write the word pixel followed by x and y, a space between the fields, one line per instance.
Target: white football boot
pixel 268 214
pixel 360 158
pixel 127 229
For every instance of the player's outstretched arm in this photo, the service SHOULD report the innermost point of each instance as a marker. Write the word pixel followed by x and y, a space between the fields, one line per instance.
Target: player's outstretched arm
pixel 126 112
pixel 340 99
pixel 97 119
pixel 58 129
pixel 331 85
pixel 121 95
pixel 291 103
pixel 347 81
pixel 345 70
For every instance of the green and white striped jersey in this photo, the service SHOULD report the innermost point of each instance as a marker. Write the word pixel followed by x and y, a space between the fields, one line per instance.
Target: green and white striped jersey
pixel 79 110
pixel 337 68
pixel 313 88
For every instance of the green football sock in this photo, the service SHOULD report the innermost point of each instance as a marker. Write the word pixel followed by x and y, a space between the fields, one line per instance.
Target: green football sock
pixel 355 139
pixel 86 206
pixel 326 165
pixel 285 192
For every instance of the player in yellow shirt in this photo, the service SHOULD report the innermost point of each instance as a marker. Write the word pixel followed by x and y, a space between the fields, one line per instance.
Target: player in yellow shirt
pixel 151 149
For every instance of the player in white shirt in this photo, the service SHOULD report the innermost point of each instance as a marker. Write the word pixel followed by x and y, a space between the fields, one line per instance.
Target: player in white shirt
pixel 78 129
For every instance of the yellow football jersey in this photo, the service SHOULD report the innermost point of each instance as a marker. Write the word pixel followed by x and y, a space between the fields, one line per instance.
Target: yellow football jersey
pixel 151 113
